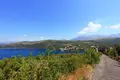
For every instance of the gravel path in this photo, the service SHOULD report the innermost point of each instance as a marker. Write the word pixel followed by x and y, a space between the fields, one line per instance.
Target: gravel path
pixel 107 69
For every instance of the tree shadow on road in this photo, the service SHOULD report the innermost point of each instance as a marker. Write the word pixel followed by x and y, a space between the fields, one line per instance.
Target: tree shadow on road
pixel 118 64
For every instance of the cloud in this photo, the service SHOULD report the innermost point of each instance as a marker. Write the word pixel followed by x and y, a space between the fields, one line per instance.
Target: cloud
pixel 106 26
pixel 24 35
pixel 41 37
pixel 92 27
pixel 114 26
pixel 45 38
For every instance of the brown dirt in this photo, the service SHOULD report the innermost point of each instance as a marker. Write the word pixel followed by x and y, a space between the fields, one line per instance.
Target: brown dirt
pixel 79 74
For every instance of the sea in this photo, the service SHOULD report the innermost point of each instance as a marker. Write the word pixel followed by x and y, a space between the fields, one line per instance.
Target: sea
pixel 10 52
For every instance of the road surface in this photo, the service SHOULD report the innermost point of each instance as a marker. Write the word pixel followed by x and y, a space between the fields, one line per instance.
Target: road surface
pixel 107 69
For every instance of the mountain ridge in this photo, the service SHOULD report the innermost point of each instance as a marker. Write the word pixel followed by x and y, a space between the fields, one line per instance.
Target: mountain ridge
pixel 96 37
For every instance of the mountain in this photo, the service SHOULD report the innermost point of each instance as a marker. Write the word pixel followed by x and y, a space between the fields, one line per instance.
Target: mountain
pixel 96 37
pixel 107 41
pixel 82 40
pixel 51 44
pixel 45 44
pixel 4 43
pixel 90 37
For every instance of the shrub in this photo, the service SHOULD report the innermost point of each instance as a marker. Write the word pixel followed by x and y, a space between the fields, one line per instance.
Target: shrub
pixel 92 56
pixel 46 67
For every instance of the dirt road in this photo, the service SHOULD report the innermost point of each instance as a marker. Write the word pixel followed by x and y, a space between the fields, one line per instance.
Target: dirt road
pixel 107 69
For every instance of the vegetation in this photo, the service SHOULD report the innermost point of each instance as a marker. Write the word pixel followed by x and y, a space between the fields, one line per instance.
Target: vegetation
pixel 51 44
pixel 113 52
pixel 57 44
pixel 108 42
pixel 45 66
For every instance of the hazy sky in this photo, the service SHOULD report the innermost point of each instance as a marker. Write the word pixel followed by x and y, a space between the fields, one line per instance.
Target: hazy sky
pixel 57 19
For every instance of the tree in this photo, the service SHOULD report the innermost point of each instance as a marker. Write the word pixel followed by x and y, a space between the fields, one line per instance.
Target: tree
pixel 93 56
pixel 117 48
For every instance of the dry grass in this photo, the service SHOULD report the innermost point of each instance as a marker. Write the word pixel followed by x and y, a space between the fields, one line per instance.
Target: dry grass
pixel 84 73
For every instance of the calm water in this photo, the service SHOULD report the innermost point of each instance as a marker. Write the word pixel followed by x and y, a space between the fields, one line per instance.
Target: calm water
pixel 24 52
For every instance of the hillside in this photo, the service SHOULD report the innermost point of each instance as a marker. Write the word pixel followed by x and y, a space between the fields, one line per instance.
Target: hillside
pixel 62 43
pixel 46 44
pixel 97 36
pixel 108 41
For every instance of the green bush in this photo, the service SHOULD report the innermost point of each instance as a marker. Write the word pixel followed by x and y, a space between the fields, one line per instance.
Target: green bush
pixel 92 56
pixel 45 67
pixel 114 52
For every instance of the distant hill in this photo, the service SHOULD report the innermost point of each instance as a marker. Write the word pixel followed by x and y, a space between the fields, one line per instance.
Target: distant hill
pixel 62 43
pixel 108 41
pixel 46 44
pixel 96 37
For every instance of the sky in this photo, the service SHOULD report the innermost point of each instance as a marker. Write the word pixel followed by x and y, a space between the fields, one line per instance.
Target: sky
pixel 22 20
